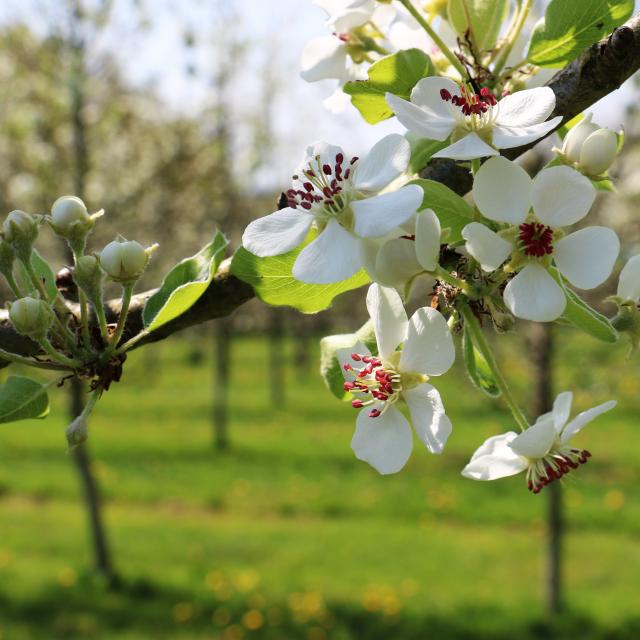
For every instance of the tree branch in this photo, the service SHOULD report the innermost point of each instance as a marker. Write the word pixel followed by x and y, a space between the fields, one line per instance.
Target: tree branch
pixel 598 71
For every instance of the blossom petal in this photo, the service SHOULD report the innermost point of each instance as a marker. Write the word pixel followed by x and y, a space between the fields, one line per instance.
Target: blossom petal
pixel 344 357
pixel 629 283
pixel 384 442
pixel 561 196
pixel 425 124
pixel 510 137
pixel 584 418
pixel 324 58
pixel 326 151
pixel 486 246
pixel 429 346
pixel 526 108
pixel 396 263
pixel 332 257
pixel 277 233
pixel 427 244
pixel 468 148
pixel 429 420
pixel 536 441
pixel 586 257
pixel 562 409
pixel 389 318
pixel 534 295
pixel 494 459
pixel 426 95
pixel 376 216
pixel 387 159
pixel 502 191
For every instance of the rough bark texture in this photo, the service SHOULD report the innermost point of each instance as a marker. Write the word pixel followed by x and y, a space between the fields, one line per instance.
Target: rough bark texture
pixel 598 71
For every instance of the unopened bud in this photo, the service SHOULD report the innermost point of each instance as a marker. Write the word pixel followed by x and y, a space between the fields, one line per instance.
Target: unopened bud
pixel 89 277
pixel 77 432
pixel 20 230
pixel 31 316
pixel 125 260
pixel 71 220
pixel 591 148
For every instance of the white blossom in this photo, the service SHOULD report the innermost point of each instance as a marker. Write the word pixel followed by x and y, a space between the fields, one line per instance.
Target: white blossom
pixel 629 282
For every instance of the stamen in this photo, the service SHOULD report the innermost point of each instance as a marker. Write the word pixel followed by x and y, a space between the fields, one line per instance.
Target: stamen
pixel 536 239
pixel 556 464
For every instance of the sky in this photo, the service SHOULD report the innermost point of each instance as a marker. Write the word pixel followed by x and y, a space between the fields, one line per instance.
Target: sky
pixel 155 55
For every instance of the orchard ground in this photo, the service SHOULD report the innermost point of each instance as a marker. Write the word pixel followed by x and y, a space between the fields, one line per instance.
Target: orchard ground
pixel 287 535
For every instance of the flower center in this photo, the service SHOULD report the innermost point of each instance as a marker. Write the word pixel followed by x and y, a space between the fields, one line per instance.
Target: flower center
pixel 469 102
pixel 557 463
pixel 325 189
pixel 373 384
pixel 536 239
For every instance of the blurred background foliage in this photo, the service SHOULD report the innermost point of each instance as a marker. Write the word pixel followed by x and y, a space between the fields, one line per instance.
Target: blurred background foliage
pixel 233 505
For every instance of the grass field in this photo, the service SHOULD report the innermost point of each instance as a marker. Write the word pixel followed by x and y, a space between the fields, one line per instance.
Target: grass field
pixel 287 535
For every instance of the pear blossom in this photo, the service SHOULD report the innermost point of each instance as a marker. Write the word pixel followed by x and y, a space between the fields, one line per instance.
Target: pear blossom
pixel 543 450
pixel 340 197
pixel 383 437
pixel 629 282
pixel 478 124
pixel 559 197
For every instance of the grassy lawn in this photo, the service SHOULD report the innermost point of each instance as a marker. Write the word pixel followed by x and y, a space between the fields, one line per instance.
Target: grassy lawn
pixel 287 535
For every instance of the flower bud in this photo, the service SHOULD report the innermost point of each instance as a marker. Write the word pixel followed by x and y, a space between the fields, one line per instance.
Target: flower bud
pixel 31 316
pixel 21 230
pixel 77 432
pixel 592 148
pixel 89 277
pixel 125 260
pixel 71 220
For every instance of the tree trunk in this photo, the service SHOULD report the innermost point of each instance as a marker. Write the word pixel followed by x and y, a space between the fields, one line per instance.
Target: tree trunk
pixel 101 554
pixel 223 331
pixel 542 349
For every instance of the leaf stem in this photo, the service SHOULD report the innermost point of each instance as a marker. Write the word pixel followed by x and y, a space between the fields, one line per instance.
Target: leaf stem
pixel 512 37
pixel 127 290
pixel 436 38
pixel 30 362
pixel 472 324
pixel 56 355
pixel 131 342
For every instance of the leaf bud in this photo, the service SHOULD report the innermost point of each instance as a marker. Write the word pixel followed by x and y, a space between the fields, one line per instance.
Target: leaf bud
pixel 125 260
pixel 31 316
pixel 20 230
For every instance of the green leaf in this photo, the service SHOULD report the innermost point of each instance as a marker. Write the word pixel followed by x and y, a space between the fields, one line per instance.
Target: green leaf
pixel 421 151
pixel 396 74
pixel 567 126
pixel 22 398
pixel 483 17
pixel 452 211
pixel 273 283
pixel 43 272
pixel 479 371
pixel 184 284
pixel 330 368
pixel 570 26
pixel 581 315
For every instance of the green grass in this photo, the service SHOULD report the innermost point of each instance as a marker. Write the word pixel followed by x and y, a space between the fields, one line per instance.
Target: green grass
pixel 287 535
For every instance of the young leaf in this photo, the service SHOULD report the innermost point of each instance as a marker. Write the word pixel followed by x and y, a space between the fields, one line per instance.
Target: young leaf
pixel 184 284
pixel 43 272
pixel 477 367
pixel 421 151
pixel 330 368
pixel 580 314
pixel 396 74
pixel 452 211
pixel 483 18
pixel 570 26
pixel 273 283
pixel 21 399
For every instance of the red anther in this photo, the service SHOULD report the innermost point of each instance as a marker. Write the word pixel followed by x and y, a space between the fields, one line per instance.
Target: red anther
pixel 445 95
pixel 409 237
pixel 354 160
pixel 356 357
pixel 292 203
pixel 349 386
pixel 484 92
pixel 536 239
pixel 374 413
pixel 334 184
pixel 586 453
pixel 309 173
pixel 291 193
pixel 536 489
pixel 305 205
pixel 530 485
pixel 347 367
pixel 366 359
pixel 347 173
pixel 362 374
pixel 343 36
pixel 329 203
pixel 308 186
pixel 506 93
pixel 357 404
pixel 339 158
pixel 327 192
pixel 326 169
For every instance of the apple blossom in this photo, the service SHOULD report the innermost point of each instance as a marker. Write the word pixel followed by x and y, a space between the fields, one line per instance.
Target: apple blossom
pixel 543 450
pixel 478 124
pixel 559 196
pixel 629 282
pixel 340 198
pixel 383 436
